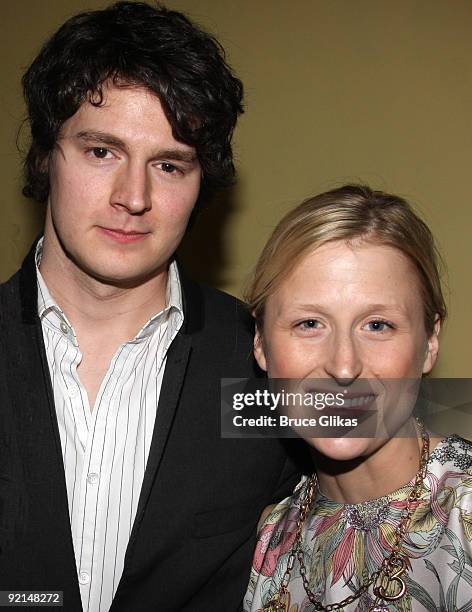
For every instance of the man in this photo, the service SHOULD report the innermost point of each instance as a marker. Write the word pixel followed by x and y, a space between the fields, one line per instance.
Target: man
pixel 115 485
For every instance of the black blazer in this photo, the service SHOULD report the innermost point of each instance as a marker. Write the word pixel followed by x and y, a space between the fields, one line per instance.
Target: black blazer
pixel 192 540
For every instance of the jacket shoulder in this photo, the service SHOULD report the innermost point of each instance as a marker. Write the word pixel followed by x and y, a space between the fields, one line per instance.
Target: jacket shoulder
pixel 224 332
pixel 226 314
pixel 220 300
pixel 10 297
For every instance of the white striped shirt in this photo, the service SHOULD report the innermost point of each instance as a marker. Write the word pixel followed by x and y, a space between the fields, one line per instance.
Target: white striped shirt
pixel 105 450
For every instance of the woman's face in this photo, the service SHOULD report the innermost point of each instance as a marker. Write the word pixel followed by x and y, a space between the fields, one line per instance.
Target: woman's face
pixel 352 314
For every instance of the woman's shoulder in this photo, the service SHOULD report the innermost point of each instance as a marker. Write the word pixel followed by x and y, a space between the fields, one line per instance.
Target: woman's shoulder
pixel 449 481
pixel 452 455
pixel 280 514
pixel 275 538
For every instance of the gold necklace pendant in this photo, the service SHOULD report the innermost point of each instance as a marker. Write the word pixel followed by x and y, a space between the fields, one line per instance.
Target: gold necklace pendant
pixel 387 579
pixel 389 586
pixel 280 602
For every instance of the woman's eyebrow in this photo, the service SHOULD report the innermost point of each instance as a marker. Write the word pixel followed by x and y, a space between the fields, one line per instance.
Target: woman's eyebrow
pixel 369 307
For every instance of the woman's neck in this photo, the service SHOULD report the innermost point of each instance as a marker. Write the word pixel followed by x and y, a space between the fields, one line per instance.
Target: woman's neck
pixel 388 468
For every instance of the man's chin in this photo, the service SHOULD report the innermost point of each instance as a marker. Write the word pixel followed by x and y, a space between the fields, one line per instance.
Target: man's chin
pixel 127 280
pixel 119 276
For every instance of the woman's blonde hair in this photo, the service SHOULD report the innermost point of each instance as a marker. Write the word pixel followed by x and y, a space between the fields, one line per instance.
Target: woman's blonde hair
pixel 351 212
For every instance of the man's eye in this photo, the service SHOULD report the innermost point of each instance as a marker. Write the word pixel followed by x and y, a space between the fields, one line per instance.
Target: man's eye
pixel 100 152
pixel 168 168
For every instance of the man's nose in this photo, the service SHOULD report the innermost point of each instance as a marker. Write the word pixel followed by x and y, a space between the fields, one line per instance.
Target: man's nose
pixel 132 189
pixel 343 359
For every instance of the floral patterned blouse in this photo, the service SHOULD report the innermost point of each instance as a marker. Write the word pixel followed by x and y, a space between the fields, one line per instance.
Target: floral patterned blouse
pixel 344 544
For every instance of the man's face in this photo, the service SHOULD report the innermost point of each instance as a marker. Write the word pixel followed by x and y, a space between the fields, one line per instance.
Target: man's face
pixel 121 189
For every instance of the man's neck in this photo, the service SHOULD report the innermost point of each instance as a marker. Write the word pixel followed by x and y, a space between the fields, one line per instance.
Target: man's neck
pixel 95 308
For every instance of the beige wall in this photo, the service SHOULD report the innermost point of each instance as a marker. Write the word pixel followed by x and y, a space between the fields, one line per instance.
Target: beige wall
pixel 336 91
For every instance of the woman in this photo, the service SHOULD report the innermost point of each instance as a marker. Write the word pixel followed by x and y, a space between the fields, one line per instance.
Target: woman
pixel 385 522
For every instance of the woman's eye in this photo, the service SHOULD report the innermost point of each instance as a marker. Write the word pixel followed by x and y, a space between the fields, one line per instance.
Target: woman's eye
pixel 309 324
pixel 378 326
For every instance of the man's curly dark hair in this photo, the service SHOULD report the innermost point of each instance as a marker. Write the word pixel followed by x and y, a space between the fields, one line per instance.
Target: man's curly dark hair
pixel 133 43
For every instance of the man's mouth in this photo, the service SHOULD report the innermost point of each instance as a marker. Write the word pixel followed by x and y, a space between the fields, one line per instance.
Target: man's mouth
pixel 123 236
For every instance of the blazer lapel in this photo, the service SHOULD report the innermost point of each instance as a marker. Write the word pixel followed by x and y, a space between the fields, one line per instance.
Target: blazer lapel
pixel 174 375
pixel 29 379
pixel 30 399
pixel 172 383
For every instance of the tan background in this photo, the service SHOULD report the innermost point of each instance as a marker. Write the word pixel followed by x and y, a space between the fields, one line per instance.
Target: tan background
pixel 335 91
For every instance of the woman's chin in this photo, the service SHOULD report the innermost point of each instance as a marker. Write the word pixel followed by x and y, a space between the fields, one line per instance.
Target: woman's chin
pixel 343 449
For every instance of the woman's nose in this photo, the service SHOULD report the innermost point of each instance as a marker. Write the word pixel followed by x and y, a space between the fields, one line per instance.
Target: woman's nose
pixel 343 361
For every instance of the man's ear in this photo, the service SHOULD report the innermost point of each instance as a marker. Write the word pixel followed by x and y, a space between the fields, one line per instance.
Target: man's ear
pixel 259 353
pixel 432 348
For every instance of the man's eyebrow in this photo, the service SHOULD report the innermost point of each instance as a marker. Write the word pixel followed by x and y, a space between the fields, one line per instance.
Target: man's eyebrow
pixel 96 137
pixel 177 155
pixel 101 138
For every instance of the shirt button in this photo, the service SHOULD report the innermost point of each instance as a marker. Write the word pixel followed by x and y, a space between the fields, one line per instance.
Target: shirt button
pixel 84 578
pixel 64 328
pixel 92 478
pixel 73 391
